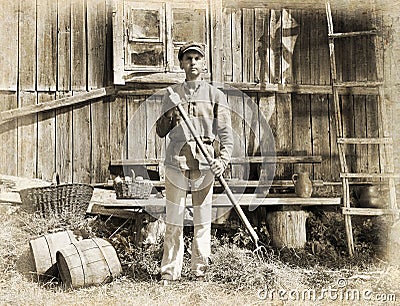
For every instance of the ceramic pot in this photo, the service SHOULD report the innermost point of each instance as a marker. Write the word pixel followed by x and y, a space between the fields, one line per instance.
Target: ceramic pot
pixel 302 184
pixel 374 196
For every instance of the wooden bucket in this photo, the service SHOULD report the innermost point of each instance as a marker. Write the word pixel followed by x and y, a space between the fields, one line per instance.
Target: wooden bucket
pixel 88 262
pixel 44 251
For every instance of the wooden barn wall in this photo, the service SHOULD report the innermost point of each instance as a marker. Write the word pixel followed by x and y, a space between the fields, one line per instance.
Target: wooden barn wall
pixel 53 49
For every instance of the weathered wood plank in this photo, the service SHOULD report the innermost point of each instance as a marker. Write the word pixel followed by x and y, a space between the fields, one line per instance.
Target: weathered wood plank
pixel 118 39
pixel 323 49
pixel 78 46
pixel 64 45
pixel 118 124
pixel 46 45
pixel 301 129
pixel 284 128
pixel 237 45
pixel 361 69
pixel 320 135
pixel 9 37
pixel 26 49
pixel 64 141
pixel 108 78
pixel 297 54
pixel 8 137
pixel 334 157
pixel 267 119
pixel 290 4
pixel 136 129
pixel 305 66
pixel 46 140
pixel 96 21
pixel 251 125
pixel 43 107
pixel 338 26
pixel 290 30
pixel 248 44
pixel 153 111
pixel 260 48
pixel 349 50
pixel 372 131
pixel 314 43
pixel 235 160
pixel 27 138
pixel 100 140
pixel 261 44
pixel 81 143
pixel 216 39
pixel 348 129
pixel 360 130
pixel 239 148
pixel 275 42
pixel 227 65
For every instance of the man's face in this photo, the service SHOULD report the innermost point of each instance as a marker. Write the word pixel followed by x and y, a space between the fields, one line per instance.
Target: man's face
pixel 192 63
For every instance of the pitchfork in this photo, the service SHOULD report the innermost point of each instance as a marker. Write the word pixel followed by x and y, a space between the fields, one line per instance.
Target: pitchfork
pixel 260 248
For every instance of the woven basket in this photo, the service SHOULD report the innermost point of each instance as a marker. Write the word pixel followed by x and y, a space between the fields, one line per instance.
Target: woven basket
pixel 57 200
pixel 138 189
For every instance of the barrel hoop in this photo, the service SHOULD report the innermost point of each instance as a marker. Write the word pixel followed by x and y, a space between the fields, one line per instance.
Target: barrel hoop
pixel 83 263
pixel 71 236
pixel 48 247
pixel 104 256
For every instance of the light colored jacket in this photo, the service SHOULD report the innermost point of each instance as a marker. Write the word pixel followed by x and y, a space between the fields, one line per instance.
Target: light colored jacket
pixel 210 114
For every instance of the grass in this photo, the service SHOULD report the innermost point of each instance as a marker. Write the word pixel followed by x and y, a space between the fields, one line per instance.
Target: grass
pixel 236 275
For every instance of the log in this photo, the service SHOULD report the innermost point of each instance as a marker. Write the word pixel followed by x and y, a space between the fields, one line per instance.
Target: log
pixel 287 228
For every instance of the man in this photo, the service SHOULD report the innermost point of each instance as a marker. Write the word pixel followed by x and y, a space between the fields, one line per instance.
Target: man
pixel 186 167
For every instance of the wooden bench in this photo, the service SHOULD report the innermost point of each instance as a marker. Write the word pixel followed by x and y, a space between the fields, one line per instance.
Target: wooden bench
pixel 286 226
pixel 147 167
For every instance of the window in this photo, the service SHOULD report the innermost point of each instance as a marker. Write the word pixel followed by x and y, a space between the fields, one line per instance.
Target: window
pixel 145 36
pixel 151 33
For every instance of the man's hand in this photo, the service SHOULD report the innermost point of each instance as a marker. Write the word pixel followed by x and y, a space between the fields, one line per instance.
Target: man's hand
pixel 217 167
pixel 173 113
pixel 173 96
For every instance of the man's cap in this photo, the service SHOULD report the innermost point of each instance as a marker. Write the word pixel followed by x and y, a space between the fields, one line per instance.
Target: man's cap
pixel 191 46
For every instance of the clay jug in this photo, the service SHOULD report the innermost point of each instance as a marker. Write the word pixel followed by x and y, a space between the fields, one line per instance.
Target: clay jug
pixel 302 184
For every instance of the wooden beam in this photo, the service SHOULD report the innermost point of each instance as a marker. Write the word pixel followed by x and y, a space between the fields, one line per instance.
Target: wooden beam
pixel 292 4
pixel 108 200
pixel 235 160
pixel 141 88
pixel 369 211
pixel 58 103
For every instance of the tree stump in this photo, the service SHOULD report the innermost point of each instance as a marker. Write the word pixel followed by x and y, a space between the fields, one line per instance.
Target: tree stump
pixel 287 228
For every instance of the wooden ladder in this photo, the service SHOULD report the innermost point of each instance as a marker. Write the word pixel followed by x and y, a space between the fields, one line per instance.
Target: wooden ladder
pixel 386 173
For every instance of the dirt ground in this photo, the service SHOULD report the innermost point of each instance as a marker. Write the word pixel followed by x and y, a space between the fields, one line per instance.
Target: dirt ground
pixel 236 278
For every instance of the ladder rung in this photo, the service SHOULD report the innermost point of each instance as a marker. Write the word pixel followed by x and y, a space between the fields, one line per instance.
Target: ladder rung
pixel 358 84
pixel 352 34
pixel 369 175
pixel 365 141
pixel 369 211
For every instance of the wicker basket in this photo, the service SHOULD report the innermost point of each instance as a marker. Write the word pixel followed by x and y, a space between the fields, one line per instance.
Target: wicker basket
pixel 138 189
pixel 57 200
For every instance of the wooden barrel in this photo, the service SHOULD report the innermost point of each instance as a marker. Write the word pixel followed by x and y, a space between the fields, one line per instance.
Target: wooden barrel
pixel 88 262
pixel 44 249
